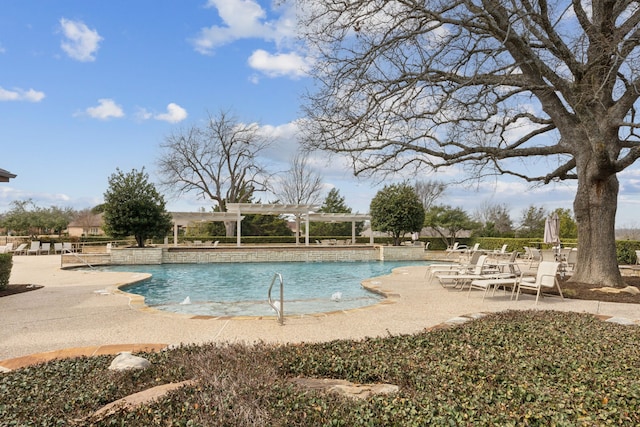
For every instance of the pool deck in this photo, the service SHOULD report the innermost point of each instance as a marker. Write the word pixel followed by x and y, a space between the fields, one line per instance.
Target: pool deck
pixel 83 313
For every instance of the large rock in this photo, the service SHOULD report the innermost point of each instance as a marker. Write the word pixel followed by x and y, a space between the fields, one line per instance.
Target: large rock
pixel 346 388
pixel 126 360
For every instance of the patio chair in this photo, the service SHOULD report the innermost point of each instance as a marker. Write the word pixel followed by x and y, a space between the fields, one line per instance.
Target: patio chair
pixel 67 247
pixel 536 256
pixel 545 278
pixel 34 248
pixel 45 248
pixel 57 248
pixel 21 249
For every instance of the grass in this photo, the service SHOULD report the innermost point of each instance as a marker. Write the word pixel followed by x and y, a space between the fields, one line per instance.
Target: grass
pixel 511 368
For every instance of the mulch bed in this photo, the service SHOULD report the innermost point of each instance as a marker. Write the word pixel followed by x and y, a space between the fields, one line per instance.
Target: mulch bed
pixel 18 289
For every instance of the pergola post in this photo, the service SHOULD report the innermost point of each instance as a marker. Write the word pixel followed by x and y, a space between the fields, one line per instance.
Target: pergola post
pixel 238 229
pixel 175 233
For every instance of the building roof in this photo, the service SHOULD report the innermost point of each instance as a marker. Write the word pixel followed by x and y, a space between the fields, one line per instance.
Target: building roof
pixel 5 175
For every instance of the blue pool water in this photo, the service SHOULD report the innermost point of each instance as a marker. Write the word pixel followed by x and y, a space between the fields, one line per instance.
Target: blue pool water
pixel 233 289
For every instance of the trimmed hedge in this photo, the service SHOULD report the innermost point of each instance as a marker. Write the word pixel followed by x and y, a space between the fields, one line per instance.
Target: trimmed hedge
pixel 6 262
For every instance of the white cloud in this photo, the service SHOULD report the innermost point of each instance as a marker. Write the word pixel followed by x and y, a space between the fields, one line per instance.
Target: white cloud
pixel 81 43
pixel 174 114
pixel 106 109
pixel 244 19
pixel 278 65
pixel 21 95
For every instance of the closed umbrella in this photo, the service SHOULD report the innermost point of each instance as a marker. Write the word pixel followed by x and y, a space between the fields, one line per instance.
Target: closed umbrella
pixel 552 229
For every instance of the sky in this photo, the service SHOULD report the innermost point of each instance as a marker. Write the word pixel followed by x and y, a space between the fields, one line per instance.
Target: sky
pixel 89 86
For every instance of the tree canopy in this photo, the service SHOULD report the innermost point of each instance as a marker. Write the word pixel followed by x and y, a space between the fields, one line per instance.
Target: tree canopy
pixel 334 203
pixel 218 161
pixel 133 207
pixel 448 222
pixel 396 210
pixel 484 83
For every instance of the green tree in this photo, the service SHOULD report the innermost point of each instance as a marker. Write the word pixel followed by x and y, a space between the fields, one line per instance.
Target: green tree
pixel 25 217
pixel 448 222
pixel 396 210
pixel 334 203
pixel 568 226
pixel 133 207
pixel 494 221
pixel 532 223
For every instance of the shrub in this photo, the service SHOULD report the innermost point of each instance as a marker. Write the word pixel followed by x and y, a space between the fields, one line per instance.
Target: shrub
pixel 6 261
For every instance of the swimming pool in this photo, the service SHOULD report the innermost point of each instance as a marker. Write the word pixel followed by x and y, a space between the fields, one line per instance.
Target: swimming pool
pixel 234 289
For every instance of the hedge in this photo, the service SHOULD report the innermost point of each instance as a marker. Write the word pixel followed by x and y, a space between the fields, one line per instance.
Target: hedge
pixel 6 261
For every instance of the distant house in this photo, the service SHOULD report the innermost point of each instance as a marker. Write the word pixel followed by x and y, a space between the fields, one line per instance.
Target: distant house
pixel 86 225
pixel 5 176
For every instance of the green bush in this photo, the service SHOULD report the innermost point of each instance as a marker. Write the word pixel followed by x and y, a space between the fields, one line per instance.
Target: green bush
pixel 6 261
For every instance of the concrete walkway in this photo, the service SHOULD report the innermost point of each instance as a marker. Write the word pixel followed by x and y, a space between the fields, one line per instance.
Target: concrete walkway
pixel 80 309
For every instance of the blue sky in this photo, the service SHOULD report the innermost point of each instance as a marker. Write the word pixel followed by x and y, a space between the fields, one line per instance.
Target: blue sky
pixel 88 86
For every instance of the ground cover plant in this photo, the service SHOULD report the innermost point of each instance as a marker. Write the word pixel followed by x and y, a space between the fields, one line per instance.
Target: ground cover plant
pixel 510 368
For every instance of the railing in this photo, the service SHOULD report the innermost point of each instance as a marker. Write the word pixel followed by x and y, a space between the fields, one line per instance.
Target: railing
pixel 68 251
pixel 278 306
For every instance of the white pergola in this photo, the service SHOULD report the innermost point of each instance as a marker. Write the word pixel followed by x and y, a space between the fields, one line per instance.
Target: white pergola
pixel 342 217
pixel 298 211
pixel 235 211
pixel 185 218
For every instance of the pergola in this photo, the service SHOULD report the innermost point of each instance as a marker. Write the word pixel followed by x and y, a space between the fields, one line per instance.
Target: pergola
pixel 235 211
pixel 342 217
pixel 272 209
pixel 184 218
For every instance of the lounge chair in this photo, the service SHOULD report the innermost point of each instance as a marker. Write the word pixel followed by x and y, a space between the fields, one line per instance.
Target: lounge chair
pixel 481 270
pixel 67 247
pixel 502 252
pixel 453 268
pixel 456 248
pixel 45 248
pixel 546 277
pixel 57 248
pixel 34 248
pixel 504 279
pixel 21 249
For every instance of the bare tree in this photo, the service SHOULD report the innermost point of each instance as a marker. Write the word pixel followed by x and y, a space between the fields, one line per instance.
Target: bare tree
pixel 428 192
pixel 494 218
pixel 484 82
pixel 219 161
pixel 300 184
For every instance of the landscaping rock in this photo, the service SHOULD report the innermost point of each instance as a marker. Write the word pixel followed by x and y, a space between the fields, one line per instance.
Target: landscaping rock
pixel 126 360
pixel 346 388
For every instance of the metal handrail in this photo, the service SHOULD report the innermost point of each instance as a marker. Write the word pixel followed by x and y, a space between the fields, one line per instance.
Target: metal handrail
pixel 83 261
pixel 279 308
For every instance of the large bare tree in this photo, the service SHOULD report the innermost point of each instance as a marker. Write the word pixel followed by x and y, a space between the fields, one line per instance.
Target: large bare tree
pixel 219 161
pixel 484 82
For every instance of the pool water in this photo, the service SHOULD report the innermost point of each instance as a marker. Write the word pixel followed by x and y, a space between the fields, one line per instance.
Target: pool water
pixel 240 289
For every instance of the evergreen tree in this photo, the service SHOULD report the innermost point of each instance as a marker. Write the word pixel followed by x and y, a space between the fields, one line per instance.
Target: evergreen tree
pixel 397 210
pixel 133 207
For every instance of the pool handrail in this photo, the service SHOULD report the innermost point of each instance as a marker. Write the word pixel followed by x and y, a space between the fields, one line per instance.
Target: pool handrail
pixel 280 307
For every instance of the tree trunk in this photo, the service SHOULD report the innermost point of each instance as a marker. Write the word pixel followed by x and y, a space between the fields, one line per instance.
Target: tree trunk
pixel 230 228
pixel 595 208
